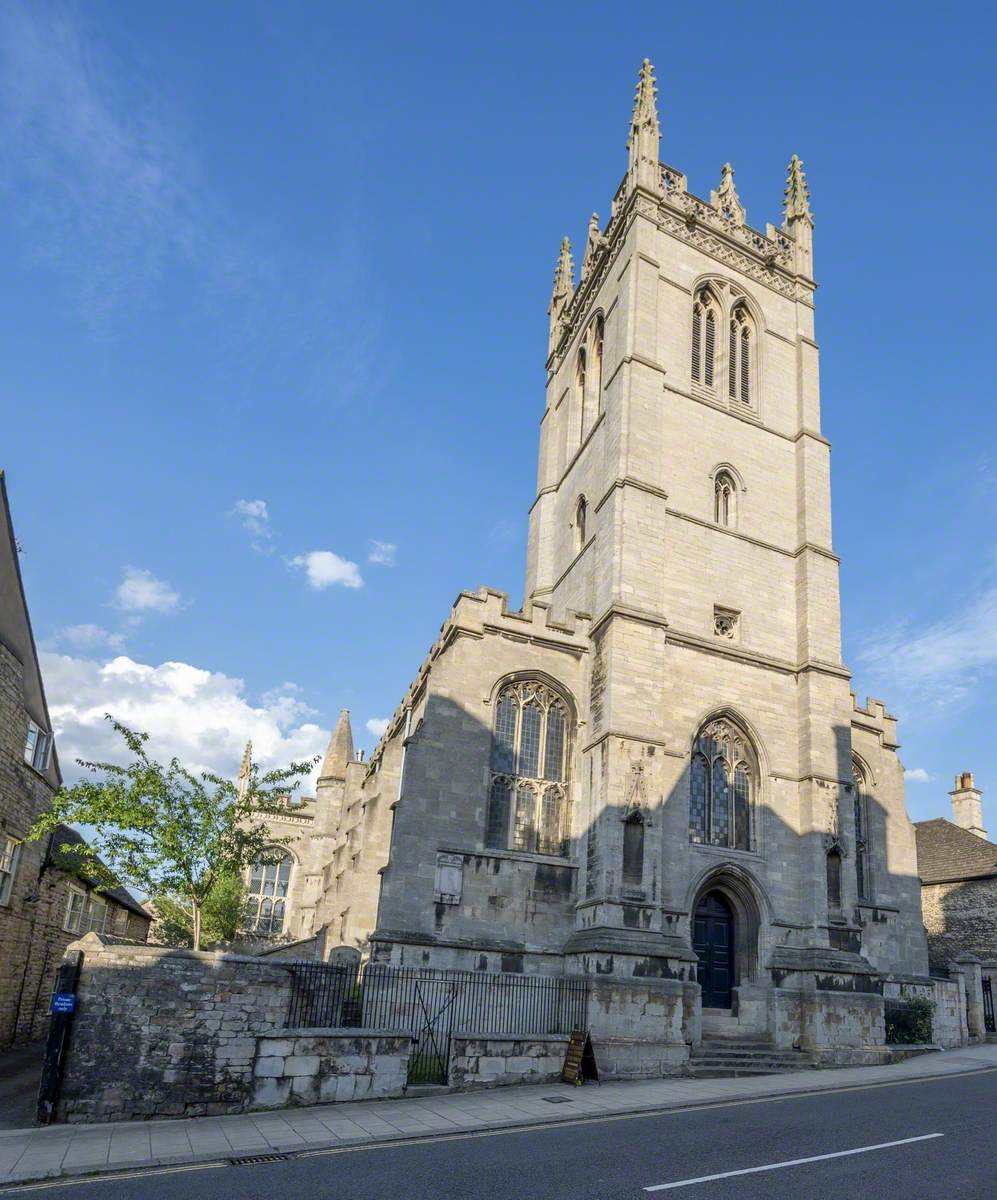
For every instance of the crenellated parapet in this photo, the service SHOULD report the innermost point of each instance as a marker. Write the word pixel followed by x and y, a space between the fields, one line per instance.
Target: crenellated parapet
pixel 876 720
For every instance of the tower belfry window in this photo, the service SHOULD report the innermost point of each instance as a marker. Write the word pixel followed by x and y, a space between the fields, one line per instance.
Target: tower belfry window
pixel 724 499
pixel 704 338
pixel 739 356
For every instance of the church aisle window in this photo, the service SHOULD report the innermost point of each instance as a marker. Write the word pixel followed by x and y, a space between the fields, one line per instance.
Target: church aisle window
pixel 266 897
pixel 721 777
pixel 529 760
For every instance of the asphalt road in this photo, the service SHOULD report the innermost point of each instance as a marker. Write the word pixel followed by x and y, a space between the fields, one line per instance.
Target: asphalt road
pixel 617 1159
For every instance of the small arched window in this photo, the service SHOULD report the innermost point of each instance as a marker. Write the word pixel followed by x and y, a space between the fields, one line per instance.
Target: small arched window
pixel 581 520
pixel 861 832
pixel 739 355
pixel 834 878
pixel 266 897
pixel 721 781
pixel 633 851
pixel 705 313
pixel 527 799
pixel 724 499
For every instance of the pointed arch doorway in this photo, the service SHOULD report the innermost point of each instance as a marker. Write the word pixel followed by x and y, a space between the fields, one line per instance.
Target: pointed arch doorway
pixel 713 942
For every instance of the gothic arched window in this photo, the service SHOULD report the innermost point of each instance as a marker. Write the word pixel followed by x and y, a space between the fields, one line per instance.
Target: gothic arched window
pixel 861 832
pixel 597 337
pixel 721 782
pixel 580 374
pixel 527 799
pixel 581 516
pixel 266 896
pixel 834 878
pixel 633 851
pixel 705 314
pixel 740 354
pixel 725 499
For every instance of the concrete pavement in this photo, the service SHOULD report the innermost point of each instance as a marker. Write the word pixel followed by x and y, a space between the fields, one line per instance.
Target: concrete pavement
pixel 71 1150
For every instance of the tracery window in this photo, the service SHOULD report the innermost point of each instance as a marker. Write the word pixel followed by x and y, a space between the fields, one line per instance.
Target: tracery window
pixel 705 314
pixel 861 833
pixel 597 336
pixel 739 355
pixel 266 897
pixel 721 782
pixel 580 373
pixel 527 799
pixel 724 499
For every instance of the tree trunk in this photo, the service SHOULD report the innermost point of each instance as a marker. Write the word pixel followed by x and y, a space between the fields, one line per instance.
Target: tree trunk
pixel 196 913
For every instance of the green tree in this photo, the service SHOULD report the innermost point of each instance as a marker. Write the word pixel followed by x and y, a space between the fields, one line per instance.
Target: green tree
pixel 222 915
pixel 166 831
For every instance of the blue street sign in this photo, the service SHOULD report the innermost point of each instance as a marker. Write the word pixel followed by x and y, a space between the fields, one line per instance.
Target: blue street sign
pixel 64 1002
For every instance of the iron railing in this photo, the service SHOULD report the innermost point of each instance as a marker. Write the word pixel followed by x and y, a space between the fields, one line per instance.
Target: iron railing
pixel 988 1005
pixel 378 996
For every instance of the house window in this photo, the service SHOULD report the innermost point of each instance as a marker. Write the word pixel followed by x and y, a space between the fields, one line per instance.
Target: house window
pixel 724 499
pixel 721 781
pixel 527 800
pixel 95 916
pixel 10 852
pixel 705 313
pixel 120 922
pixel 861 833
pixel 266 899
pixel 75 909
pixel 36 746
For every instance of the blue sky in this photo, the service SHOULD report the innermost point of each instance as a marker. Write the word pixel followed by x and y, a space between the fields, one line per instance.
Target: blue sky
pixel 300 254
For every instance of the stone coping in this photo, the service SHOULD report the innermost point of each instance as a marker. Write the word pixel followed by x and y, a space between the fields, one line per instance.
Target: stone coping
pixel 334 1032
pixel 100 943
pixel 510 1037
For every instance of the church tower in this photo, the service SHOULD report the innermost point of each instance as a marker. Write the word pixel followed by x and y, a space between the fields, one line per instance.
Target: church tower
pixel 657 770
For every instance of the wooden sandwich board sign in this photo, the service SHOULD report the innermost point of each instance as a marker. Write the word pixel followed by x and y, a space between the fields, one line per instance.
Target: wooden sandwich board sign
pixel 579 1061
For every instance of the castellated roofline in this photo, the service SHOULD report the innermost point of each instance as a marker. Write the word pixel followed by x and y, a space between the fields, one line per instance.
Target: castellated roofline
pixel 875 719
pixel 485 613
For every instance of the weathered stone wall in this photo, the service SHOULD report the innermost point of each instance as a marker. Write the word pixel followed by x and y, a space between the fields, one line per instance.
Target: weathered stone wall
pixel 485 1062
pixel 639 1030
pixel 307 1066
pixel 166 1033
pixel 960 918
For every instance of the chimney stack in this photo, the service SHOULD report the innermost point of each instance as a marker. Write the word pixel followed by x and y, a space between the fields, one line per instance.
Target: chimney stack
pixel 967 805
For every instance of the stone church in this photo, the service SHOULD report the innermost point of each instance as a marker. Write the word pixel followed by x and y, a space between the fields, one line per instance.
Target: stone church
pixel 656 768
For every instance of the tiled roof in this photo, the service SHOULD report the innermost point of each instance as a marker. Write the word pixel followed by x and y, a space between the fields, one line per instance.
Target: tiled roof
pixel 68 862
pixel 944 851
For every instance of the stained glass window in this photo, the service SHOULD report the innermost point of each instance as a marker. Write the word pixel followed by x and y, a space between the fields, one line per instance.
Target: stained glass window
pixel 529 741
pixel 497 826
pixel 504 742
pixel 524 834
pixel 551 840
pixel 554 750
pixel 269 883
pixel 720 788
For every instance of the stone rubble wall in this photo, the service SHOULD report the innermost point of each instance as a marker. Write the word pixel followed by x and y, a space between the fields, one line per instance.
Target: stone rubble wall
pixel 308 1066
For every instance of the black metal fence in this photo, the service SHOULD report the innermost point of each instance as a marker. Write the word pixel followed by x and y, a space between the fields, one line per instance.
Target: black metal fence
pixel 988 1005
pixel 433 1004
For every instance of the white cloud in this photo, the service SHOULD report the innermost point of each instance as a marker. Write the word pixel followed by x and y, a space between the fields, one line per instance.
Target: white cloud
pixel 917 775
pixel 140 591
pixel 202 717
pixel 937 665
pixel 377 725
pixel 256 522
pixel 382 553
pixel 325 569
pixel 85 637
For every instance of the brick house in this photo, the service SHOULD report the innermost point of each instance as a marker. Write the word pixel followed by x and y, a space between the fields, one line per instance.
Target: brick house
pixel 45 903
pixel 957 864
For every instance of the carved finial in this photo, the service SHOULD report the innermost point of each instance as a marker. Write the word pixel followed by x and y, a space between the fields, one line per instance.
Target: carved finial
pixel 564 287
pixel 245 768
pixel 726 200
pixel 796 205
pixel 593 244
pixel 645 133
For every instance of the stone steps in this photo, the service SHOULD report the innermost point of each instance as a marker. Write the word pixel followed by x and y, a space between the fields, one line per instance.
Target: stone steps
pixel 728 1058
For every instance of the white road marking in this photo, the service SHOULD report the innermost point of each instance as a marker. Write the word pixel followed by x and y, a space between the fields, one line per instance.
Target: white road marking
pixel 793 1162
